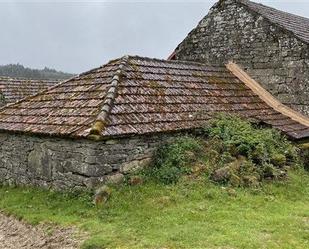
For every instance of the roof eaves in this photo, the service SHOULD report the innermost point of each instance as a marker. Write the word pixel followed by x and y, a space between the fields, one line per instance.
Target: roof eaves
pixel 101 120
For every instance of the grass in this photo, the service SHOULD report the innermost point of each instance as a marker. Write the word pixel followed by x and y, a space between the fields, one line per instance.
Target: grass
pixel 189 214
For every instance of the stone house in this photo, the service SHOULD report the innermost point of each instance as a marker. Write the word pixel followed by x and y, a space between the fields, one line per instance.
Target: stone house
pixel 103 123
pixel 13 89
pixel 272 46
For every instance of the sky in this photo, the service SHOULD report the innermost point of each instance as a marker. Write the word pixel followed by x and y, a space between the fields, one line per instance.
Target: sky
pixel 75 36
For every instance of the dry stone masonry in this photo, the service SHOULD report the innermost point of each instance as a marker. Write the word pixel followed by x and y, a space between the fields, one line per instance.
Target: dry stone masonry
pixel 72 164
pixel 272 55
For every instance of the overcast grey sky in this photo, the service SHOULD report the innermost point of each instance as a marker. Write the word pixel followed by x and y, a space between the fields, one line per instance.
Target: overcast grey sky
pixel 75 36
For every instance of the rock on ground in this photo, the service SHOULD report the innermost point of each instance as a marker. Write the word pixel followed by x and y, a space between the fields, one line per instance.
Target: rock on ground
pixel 15 234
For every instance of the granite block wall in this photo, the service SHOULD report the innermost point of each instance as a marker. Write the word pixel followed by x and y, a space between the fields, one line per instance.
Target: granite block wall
pixel 271 55
pixel 61 163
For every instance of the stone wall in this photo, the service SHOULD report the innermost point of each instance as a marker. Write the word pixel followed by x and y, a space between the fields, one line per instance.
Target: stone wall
pixel 272 56
pixel 71 164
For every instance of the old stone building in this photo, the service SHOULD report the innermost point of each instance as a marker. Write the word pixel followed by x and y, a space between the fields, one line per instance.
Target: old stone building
pixel 12 89
pixel 103 123
pixel 271 45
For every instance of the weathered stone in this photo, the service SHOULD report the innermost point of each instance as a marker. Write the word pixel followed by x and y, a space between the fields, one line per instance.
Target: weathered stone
pixel 135 165
pixel 271 55
pixel 39 162
pixel 115 178
pixel 102 195
pixel 90 159
pixel 72 164
pixel 221 175
pixel 112 141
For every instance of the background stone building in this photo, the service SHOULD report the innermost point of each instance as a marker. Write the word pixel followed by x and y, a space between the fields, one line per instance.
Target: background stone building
pixel 271 45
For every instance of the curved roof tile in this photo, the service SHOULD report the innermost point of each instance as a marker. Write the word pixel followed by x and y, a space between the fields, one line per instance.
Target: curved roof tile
pixel 12 89
pixel 148 96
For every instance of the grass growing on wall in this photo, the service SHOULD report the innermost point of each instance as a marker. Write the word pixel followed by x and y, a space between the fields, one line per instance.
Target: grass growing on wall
pixel 189 214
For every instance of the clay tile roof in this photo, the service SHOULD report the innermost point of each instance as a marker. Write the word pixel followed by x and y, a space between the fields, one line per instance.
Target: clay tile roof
pixel 298 25
pixel 13 90
pixel 135 95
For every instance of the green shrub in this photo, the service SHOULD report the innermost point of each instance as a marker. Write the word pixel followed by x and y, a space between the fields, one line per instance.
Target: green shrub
pixel 261 145
pixel 174 159
pixel 233 151
pixel 258 153
pixel 167 174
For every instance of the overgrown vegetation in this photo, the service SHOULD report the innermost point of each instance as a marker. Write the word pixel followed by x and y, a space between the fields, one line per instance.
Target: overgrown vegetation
pixel 173 160
pixel 233 152
pixel 19 71
pixel 304 156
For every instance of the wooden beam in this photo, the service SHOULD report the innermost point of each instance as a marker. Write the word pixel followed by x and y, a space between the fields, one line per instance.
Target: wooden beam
pixel 267 97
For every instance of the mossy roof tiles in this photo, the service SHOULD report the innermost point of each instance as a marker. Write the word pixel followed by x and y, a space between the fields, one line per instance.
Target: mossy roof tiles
pixel 136 95
pixel 13 89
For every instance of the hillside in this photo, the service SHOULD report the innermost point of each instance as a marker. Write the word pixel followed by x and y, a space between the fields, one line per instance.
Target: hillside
pixel 19 71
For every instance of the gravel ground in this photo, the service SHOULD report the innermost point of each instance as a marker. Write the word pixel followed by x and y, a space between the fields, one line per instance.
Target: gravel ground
pixel 15 234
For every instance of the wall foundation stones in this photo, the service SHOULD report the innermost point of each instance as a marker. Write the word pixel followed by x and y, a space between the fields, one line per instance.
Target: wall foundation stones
pixel 72 164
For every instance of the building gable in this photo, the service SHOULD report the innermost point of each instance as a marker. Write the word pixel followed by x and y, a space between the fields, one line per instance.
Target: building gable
pixel 254 36
pixel 297 25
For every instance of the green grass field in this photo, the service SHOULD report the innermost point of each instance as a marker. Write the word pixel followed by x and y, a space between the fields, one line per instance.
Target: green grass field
pixel 190 214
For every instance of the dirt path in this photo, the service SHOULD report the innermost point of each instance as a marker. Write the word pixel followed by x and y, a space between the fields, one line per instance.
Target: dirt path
pixel 15 234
